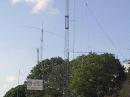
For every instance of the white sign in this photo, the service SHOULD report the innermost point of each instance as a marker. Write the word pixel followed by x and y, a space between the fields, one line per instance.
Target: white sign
pixel 33 84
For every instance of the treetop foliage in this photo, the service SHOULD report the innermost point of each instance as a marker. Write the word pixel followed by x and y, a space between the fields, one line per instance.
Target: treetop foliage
pixel 92 75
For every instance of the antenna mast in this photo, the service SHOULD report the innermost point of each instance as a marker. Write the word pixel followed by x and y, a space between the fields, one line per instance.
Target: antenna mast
pixel 66 50
pixel 67 31
pixel 42 42
pixel 37 55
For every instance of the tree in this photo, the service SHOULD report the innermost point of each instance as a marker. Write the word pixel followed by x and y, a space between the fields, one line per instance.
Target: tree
pixel 96 75
pixel 18 91
pixel 51 72
pixel 90 75
pixel 129 73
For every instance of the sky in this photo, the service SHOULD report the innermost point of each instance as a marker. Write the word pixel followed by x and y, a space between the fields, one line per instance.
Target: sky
pixel 95 25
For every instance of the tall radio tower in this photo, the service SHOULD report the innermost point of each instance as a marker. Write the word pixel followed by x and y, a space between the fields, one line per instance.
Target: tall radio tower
pixel 66 50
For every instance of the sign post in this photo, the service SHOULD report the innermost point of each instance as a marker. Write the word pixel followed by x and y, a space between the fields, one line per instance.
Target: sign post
pixel 34 84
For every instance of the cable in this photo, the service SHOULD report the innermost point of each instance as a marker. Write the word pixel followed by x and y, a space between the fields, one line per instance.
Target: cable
pixel 88 33
pixel 102 30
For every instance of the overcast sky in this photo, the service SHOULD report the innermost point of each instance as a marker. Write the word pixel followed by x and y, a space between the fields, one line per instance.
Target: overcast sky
pixel 102 28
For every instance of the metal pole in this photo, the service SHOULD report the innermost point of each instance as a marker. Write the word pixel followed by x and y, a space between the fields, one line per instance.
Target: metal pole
pixel 37 55
pixel 65 91
pixel 67 31
pixel 42 42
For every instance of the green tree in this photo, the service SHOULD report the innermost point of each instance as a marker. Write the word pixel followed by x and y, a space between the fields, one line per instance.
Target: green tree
pixel 96 75
pixel 51 72
pixel 128 74
pixel 18 91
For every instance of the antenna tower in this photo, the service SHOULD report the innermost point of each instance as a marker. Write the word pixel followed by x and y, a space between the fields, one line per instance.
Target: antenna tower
pixel 66 50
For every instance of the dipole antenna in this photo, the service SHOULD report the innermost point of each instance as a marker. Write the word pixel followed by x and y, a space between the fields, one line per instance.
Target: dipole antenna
pixel 42 30
pixel 66 50
pixel 41 39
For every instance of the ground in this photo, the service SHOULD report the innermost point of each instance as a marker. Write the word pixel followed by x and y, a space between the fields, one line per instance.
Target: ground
pixel 125 91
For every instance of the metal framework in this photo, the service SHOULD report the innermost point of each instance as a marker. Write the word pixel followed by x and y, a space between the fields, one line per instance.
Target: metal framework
pixel 67 30
pixel 66 50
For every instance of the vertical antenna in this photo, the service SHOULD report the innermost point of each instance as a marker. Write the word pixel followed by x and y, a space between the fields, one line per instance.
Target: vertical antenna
pixel 66 50
pixel 74 26
pixel 42 42
pixel 37 55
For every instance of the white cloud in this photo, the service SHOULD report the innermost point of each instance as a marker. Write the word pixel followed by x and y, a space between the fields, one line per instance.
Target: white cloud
pixel 2 66
pixel 39 5
pixel 11 78
pixel 16 1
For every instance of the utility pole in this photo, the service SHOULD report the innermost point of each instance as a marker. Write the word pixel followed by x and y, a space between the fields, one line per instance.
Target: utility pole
pixel 66 50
